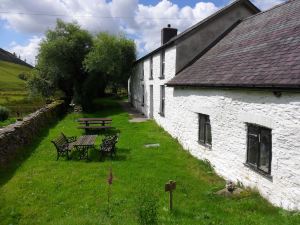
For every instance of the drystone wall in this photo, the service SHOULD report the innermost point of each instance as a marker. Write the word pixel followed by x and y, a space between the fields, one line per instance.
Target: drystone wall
pixel 15 136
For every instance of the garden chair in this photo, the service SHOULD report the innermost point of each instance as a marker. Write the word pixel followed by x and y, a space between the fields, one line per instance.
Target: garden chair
pixel 108 145
pixel 63 145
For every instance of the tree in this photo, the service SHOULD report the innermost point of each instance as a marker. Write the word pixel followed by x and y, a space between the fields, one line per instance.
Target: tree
pixel 60 61
pixel 111 58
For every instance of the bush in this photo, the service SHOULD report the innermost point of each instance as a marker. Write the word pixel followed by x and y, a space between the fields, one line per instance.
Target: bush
pixel 23 76
pixel 147 208
pixel 4 113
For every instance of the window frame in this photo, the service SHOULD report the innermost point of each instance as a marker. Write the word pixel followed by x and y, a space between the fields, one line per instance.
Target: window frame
pixel 151 68
pixel 143 95
pixel 258 159
pixel 162 106
pixel 142 71
pixel 204 128
pixel 162 64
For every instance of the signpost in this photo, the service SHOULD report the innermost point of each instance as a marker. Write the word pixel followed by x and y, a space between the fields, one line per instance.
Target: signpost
pixel 170 187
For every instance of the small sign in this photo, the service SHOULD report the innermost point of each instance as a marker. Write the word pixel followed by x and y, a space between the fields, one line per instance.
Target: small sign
pixel 169 187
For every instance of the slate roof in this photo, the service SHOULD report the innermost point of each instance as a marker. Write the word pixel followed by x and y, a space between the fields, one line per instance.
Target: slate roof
pixel 263 51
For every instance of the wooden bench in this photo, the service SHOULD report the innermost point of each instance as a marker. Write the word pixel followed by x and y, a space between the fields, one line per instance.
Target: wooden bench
pixel 86 122
pixel 63 145
pixel 95 122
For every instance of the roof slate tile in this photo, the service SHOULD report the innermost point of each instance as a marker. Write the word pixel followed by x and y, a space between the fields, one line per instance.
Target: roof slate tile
pixel 262 51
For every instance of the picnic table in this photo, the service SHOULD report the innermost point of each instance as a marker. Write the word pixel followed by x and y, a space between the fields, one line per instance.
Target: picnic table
pixel 91 123
pixel 83 144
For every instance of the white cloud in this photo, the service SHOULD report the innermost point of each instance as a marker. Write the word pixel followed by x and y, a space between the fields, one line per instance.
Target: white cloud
pixel 142 22
pixel 266 4
pixel 100 15
pixel 166 12
pixel 28 51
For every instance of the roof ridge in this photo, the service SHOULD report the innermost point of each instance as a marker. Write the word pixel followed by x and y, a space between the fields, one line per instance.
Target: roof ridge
pixel 218 12
pixel 272 8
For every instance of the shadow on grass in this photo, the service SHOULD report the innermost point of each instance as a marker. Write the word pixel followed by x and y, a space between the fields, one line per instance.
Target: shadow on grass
pixel 105 107
pixel 121 155
pixel 7 172
pixel 96 156
pixel 111 131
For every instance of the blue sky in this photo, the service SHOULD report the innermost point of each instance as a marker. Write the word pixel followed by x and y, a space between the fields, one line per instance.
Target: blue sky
pixel 140 20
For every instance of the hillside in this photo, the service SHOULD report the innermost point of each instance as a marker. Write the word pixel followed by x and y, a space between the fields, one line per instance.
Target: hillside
pixel 13 92
pixel 9 57
pixel 12 87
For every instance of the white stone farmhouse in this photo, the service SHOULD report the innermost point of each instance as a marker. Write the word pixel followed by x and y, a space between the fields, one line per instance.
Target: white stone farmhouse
pixel 228 89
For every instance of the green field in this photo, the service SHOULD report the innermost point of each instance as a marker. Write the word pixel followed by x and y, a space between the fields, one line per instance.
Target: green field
pixel 11 87
pixel 13 92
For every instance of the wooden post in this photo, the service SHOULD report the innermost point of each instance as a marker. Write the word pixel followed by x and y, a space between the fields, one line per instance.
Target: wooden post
pixel 170 187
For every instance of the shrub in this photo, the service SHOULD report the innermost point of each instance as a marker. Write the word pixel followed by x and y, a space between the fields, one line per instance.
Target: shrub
pixel 4 113
pixel 147 208
pixel 23 76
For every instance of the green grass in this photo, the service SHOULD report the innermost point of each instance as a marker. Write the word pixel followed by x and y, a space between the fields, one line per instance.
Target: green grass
pixel 7 122
pixel 13 92
pixel 37 189
pixel 9 80
pixel 12 88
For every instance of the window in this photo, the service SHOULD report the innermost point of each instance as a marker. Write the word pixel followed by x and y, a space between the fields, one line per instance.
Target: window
pixel 162 66
pixel 162 100
pixel 143 95
pixel 204 130
pixel 151 68
pixel 259 148
pixel 142 71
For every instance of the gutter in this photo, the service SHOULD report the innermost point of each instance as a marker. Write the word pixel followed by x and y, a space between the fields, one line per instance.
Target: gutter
pixel 237 86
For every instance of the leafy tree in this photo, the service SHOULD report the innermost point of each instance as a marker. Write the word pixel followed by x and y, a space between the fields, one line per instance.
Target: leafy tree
pixel 71 61
pixel 110 58
pixel 60 61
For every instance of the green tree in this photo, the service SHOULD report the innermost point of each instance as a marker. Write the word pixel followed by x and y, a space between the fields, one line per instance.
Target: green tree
pixel 110 58
pixel 60 61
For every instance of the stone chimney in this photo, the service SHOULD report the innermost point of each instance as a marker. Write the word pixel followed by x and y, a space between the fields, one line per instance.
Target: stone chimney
pixel 167 34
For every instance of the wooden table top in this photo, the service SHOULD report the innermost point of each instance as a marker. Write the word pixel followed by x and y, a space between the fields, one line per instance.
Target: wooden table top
pixel 86 140
pixel 94 119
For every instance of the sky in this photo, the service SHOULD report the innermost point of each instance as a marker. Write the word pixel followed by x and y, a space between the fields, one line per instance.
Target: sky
pixel 23 23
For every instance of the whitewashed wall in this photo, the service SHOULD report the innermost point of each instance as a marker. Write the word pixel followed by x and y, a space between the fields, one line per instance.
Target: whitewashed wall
pixel 136 82
pixel 229 111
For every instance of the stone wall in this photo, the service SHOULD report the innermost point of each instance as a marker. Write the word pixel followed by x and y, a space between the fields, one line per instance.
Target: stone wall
pixel 17 135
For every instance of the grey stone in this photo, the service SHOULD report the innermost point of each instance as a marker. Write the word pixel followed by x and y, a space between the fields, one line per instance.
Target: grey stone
pixel 152 145
pixel 138 120
pixel 226 193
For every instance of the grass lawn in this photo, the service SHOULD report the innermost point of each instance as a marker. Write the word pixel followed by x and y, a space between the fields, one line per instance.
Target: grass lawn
pixel 7 122
pixel 13 92
pixel 12 88
pixel 37 189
